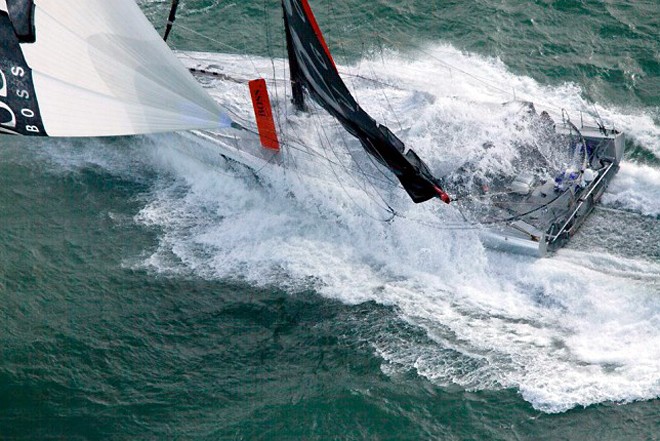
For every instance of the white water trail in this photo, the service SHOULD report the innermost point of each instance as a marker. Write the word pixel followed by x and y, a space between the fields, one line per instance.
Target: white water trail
pixel 579 328
pixel 637 189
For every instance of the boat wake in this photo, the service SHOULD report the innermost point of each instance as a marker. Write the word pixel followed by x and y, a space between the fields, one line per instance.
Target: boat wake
pixel 579 328
pixel 572 330
pixel 636 189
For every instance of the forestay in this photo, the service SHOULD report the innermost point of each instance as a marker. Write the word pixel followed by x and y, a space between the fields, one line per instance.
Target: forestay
pixel 93 68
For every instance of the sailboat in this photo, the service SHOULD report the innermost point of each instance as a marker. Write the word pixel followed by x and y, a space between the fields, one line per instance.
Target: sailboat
pixel 528 214
pixel 98 68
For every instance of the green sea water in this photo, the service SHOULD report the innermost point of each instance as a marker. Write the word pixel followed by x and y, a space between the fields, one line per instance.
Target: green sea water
pixel 109 332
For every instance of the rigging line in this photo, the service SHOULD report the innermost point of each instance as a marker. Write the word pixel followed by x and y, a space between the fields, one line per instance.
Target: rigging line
pixel 230 164
pixel 321 131
pixel 384 180
pixel 312 153
pixel 389 104
pixel 350 197
pixel 387 180
pixel 334 172
pixel 290 159
pixel 344 53
pixel 373 80
pixel 387 208
pixel 284 133
pixel 330 163
pixel 289 145
pixel 477 78
pixel 343 50
pixel 284 79
pixel 364 174
pixel 290 167
pixel 255 172
pixel 292 127
pixel 387 100
pixel 341 47
pixel 466 226
pixel 305 148
pixel 444 63
pixel 359 69
pixel 362 58
pixel 267 163
pixel 373 73
pixel 272 60
pixel 520 216
pixel 238 51
pixel 380 168
pixel 285 107
pixel 288 141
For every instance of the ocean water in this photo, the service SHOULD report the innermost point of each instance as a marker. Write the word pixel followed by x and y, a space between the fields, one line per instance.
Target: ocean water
pixel 147 293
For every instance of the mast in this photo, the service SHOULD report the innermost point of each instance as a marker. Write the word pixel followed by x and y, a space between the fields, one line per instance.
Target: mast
pixel 298 99
pixel 170 19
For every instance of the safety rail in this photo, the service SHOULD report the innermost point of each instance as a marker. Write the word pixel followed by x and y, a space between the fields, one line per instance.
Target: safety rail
pixel 582 199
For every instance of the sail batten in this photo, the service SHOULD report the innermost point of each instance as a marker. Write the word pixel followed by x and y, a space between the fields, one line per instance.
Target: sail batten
pixel 314 68
pixel 99 68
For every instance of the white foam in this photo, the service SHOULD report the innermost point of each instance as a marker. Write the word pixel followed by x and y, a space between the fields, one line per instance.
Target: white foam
pixel 635 188
pixel 576 329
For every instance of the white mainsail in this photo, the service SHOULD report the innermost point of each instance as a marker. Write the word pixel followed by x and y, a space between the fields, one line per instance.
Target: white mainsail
pixel 98 68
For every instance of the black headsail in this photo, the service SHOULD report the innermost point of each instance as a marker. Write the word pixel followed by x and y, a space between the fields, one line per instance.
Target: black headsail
pixel 313 67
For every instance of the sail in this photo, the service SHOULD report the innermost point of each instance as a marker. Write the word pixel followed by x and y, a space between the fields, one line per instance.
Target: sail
pixel 93 68
pixel 312 66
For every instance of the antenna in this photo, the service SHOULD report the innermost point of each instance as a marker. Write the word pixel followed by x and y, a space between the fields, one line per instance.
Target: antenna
pixel 599 120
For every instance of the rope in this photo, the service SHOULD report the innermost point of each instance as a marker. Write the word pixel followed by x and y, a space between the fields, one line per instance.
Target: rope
pixel 235 49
